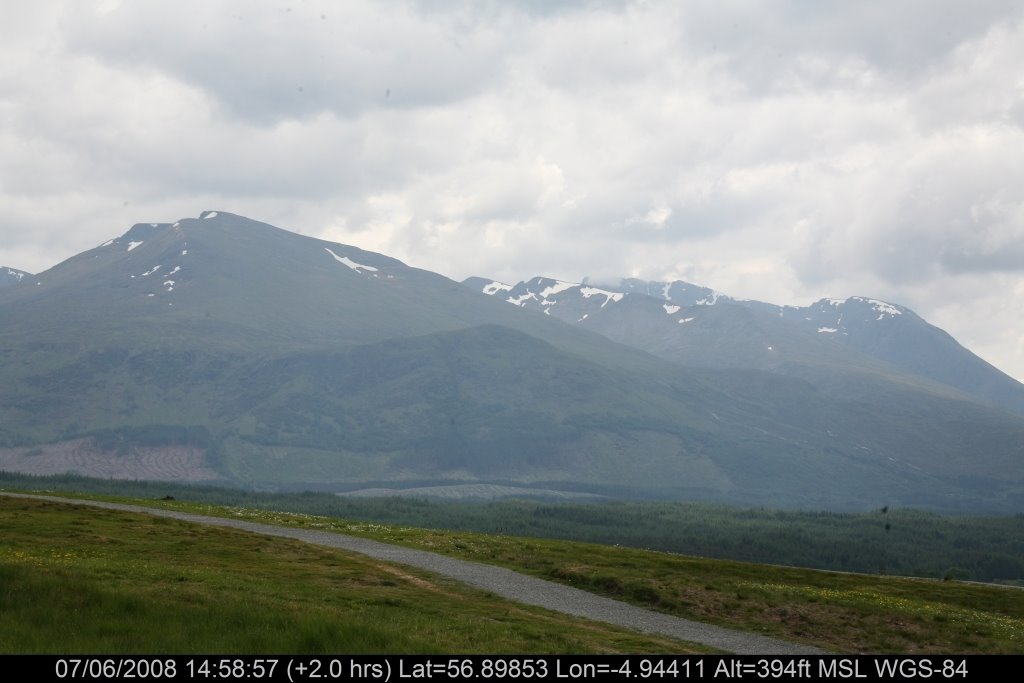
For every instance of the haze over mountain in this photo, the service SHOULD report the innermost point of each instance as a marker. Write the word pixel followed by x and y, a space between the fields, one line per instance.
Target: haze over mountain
pixel 828 341
pixel 221 347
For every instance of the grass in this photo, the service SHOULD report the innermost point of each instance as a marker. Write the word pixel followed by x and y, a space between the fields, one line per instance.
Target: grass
pixel 842 612
pixel 85 580
pixel 836 611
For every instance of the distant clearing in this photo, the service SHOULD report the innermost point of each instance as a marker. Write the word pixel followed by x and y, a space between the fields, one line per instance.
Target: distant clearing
pixel 82 456
pixel 471 492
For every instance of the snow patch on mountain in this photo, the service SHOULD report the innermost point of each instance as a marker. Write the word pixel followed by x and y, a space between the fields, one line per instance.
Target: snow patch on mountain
pixel 710 300
pixel 521 299
pixel 881 307
pixel 609 297
pixel 559 286
pixel 133 245
pixel 495 287
pixel 345 260
pixel 827 330
pixel 670 309
pixel 547 292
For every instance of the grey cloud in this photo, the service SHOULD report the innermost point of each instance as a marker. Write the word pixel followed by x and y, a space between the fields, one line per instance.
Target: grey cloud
pixel 978 85
pixel 952 205
pixel 766 47
pixel 266 64
pixel 488 9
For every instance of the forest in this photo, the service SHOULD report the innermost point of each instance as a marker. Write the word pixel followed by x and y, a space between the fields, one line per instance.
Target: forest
pixel 900 542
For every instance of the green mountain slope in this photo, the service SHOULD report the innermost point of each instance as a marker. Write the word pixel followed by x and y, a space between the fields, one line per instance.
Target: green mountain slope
pixel 278 360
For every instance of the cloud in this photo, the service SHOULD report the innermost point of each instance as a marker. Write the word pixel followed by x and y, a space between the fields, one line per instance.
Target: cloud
pixel 783 151
pixel 796 45
pixel 295 61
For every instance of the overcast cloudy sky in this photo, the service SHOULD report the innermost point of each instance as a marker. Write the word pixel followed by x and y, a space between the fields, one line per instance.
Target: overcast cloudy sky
pixel 782 151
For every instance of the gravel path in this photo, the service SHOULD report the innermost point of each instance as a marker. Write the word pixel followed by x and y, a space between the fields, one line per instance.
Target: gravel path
pixel 498 580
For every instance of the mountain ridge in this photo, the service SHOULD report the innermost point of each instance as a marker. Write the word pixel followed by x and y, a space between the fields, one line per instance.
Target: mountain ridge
pixel 865 328
pixel 281 360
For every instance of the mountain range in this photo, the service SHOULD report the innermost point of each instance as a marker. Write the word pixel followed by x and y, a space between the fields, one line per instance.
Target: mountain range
pixel 222 348
pixel 830 342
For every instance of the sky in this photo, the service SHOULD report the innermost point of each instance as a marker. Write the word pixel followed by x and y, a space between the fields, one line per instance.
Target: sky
pixel 781 150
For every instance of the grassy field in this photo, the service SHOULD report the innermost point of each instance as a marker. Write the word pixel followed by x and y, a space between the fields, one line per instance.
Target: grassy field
pixel 84 580
pixel 835 611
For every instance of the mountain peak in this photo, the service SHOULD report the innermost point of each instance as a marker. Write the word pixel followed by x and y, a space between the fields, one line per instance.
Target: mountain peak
pixel 678 292
pixel 486 285
pixel 860 306
pixel 657 315
pixel 546 292
pixel 139 233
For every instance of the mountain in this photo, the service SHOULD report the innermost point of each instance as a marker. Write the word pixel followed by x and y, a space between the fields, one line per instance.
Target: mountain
pixel 11 276
pixel 836 344
pixel 224 348
pixel 899 336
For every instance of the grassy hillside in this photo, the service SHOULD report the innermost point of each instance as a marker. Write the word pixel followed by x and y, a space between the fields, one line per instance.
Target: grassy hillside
pixel 835 611
pixel 81 580
pixel 490 403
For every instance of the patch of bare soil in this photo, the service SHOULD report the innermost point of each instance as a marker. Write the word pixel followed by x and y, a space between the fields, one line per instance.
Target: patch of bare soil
pixel 81 456
pixel 414 580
